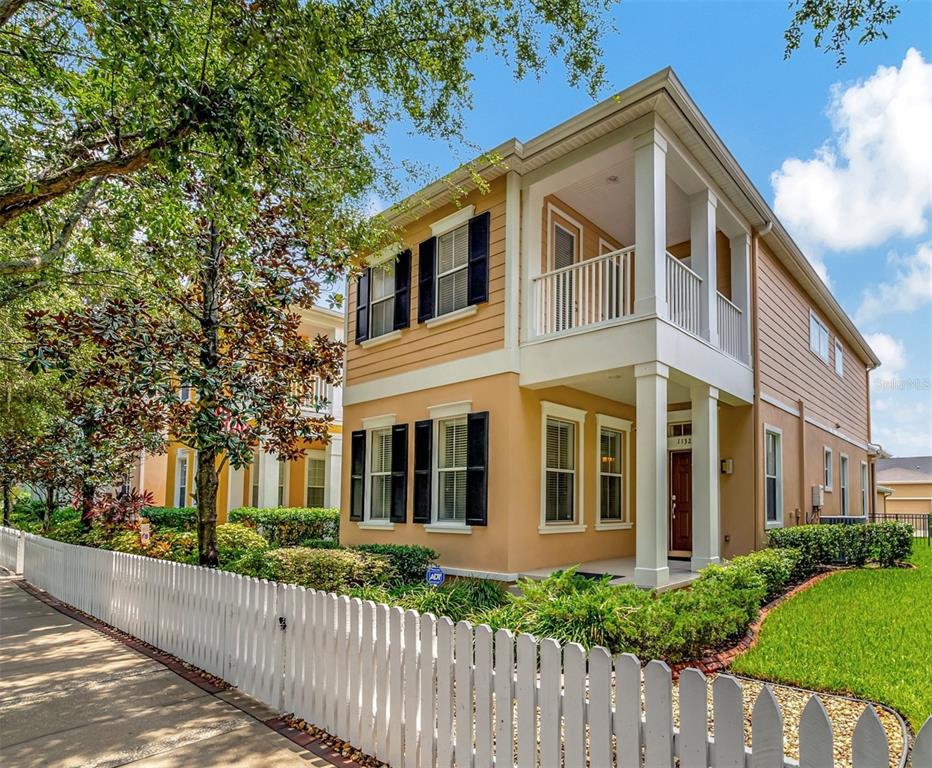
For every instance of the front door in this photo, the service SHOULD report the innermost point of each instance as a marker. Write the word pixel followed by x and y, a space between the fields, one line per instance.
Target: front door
pixel 681 507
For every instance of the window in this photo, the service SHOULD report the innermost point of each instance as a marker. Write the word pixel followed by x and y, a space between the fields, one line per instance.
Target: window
pixel 452 260
pixel 181 479
pixel 184 393
pixel 126 485
pixel 843 471
pixel 560 471
pixel 316 480
pixel 865 508
pixel 382 305
pixel 611 478
pixel 564 247
pixel 839 358
pixel 282 496
pixel 451 470
pixel 254 478
pixel 773 477
pixel 380 474
pixel 827 468
pixel 818 336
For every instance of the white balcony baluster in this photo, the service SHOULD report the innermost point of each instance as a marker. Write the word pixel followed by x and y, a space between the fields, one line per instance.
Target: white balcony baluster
pixel 683 286
pixel 729 327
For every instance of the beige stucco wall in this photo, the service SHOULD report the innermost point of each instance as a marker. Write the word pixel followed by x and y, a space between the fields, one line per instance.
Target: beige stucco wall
pixel 738 515
pixel 909 498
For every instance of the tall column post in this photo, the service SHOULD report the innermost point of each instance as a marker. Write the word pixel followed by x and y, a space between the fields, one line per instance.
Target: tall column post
pixel 706 508
pixel 703 260
pixel 268 479
pixel 741 289
pixel 335 470
pixel 652 524
pixel 234 488
pixel 650 224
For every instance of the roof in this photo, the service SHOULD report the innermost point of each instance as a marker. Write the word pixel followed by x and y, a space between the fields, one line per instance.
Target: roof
pixel 664 94
pixel 904 469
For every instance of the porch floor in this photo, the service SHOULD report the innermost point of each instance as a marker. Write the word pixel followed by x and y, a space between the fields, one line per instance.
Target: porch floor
pixel 621 569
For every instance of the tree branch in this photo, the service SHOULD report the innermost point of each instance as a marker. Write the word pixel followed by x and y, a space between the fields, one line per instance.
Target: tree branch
pixel 8 8
pixel 55 249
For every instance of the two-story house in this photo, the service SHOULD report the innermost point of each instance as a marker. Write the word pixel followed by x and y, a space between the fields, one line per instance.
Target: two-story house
pixel 615 355
pixel 311 481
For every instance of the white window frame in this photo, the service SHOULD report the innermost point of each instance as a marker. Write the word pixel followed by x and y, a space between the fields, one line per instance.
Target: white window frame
pixel 310 456
pixel 839 357
pixel 181 488
pixel 865 484
pixel 388 267
pixel 550 410
pixel 372 425
pixel 828 468
pixel 283 482
pixel 623 426
pixel 778 521
pixel 438 414
pixel 452 232
pixel 815 343
pixel 844 503
pixel 254 488
pixel 551 249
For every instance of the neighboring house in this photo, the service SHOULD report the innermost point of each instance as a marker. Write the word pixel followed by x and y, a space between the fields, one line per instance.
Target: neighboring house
pixel 909 482
pixel 615 352
pixel 313 480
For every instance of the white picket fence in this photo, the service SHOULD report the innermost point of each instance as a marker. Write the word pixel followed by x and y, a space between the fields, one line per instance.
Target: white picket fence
pixel 417 691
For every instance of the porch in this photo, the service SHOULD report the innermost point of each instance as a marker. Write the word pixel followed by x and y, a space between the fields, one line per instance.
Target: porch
pixel 620 569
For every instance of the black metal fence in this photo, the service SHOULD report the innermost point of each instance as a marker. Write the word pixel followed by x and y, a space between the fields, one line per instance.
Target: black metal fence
pixel 921 524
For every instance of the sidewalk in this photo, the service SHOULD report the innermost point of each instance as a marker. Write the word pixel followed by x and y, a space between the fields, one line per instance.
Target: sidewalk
pixel 71 696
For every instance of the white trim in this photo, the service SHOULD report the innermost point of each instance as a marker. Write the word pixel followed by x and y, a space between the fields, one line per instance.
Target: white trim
pixel 828 338
pixel 577 416
pixel 776 403
pixel 316 455
pixel 512 259
pixel 451 317
pixel 180 454
pixel 771 400
pixel 436 527
pixel 377 422
pixel 864 480
pixel 388 252
pixel 680 417
pixel 382 339
pixel 450 409
pixel 778 523
pixel 623 426
pixel 560 411
pixel 613 526
pixel 376 525
pixel 283 484
pixel 844 485
pixel 548 528
pixel 367 478
pixel 470 573
pixel 453 221
pixel 839 360
pixel 829 482
pixel 551 209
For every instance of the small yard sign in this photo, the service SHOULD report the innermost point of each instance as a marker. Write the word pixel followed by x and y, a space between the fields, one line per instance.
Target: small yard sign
pixel 435 575
pixel 144 533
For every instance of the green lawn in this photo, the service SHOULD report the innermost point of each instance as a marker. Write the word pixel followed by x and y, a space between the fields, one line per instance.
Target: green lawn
pixel 867 633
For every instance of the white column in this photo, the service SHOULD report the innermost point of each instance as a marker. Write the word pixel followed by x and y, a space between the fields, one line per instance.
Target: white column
pixel 741 288
pixel 234 488
pixel 268 479
pixel 652 523
pixel 650 224
pixel 703 260
pixel 706 510
pixel 335 471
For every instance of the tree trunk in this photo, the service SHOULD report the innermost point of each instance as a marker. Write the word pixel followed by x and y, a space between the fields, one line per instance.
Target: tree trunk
pixel 88 492
pixel 7 504
pixel 206 483
pixel 49 507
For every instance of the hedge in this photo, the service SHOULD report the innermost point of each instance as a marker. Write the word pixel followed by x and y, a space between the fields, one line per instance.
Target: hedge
pixel 331 570
pixel 175 518
pixel 819 545
pixel 410 561
pixel 288 526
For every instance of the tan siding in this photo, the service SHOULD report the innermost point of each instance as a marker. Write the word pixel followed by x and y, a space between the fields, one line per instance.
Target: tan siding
pixel 419 345
pixel 789 370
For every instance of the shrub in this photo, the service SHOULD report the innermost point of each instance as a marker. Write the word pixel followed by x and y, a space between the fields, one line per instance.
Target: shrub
pixel 819 545
pixel 458 599
pixel 776 567
pixel 319 544
pixel 175 518
pixel 410 561
pixel 331 570
pixel 70 531
pixel 286 526
pixel 235 540
pixel 892 542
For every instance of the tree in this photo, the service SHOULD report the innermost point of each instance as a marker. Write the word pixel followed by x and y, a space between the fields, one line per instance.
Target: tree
pixel 839 19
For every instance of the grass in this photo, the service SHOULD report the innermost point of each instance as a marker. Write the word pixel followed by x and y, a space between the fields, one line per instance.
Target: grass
pixel 867 633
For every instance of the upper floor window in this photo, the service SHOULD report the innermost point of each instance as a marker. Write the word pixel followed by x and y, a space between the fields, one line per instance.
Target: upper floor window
pixel 818 336
pixel 839 358
pixel 452 261
pixel 382 307
pixel 773 477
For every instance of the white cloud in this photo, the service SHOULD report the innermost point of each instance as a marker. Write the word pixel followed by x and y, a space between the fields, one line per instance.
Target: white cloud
pixel 871 180
pixel 910 288
pixel 904 441
pixel 891 352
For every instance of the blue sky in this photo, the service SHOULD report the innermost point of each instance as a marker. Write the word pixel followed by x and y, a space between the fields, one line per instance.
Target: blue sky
pixel 851 148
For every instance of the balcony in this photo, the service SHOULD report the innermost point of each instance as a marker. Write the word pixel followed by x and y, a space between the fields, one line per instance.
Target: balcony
pixel 321 399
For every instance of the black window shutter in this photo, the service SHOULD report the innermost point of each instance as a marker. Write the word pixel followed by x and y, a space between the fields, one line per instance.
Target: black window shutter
pixel 399 512
pixel 423 440
pixel 403 290
pixel 425 279
pixel 477 274
pixel 477 473
pixel 362 306
pixel 357 474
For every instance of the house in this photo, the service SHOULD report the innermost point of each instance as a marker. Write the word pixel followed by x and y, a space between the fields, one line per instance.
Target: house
pixel 310 481
pixel 909 482
pixel 615 355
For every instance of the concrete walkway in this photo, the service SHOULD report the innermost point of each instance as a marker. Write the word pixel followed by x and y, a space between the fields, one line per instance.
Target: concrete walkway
pixel 71 696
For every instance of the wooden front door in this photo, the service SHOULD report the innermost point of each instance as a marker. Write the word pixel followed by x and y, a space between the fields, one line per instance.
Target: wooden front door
pixel 681 507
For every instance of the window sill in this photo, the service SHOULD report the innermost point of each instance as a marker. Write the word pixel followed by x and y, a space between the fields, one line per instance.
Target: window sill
pixel 556 528
pixel 773 524
pixel 383 339
pixel 372 525
pixel 447 528
pixel 614 526
pixel 451 317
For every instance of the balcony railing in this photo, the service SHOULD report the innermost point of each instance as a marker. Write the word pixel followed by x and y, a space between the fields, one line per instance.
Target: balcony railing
pixel 588 293
pixel 729 327
pixel 683 287
pixel 321 399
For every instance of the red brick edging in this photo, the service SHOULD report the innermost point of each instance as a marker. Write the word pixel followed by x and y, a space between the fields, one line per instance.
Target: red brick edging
pixel 206 682
pixel 720 660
